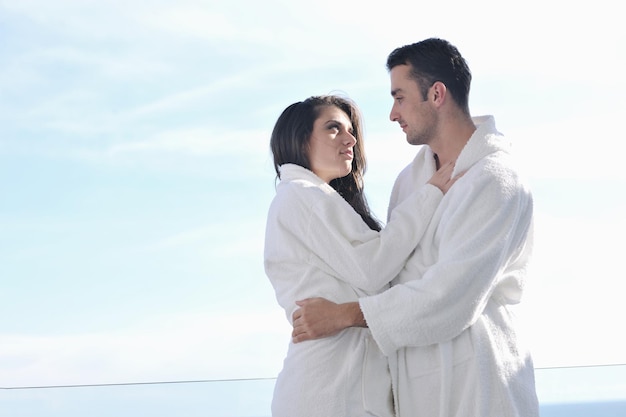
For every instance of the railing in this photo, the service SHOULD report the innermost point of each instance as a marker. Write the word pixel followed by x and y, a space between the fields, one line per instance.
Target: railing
pixel 585 391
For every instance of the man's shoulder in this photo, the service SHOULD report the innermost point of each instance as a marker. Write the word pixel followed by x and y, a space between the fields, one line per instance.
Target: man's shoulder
pixel 410 178
pixel 502 165
pixel 422 160
pixel 498 176
pixel 407 177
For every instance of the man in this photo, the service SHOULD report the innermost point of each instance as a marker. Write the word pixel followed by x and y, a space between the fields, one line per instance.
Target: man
pixel 446 322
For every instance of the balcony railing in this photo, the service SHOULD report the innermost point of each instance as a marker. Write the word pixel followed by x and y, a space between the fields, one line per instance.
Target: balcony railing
pixel 585 391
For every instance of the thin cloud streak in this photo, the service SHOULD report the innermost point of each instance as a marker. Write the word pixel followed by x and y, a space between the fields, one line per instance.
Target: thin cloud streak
pixel 167 352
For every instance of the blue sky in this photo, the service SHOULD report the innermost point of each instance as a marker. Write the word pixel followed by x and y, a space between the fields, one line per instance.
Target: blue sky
pixel 135 173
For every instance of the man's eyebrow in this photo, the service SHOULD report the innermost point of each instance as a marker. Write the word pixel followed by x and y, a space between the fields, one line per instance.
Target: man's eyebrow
pixel 395 92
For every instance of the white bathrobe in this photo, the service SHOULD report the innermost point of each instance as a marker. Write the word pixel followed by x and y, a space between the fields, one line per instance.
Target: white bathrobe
pixel 447 318
pixel 318 246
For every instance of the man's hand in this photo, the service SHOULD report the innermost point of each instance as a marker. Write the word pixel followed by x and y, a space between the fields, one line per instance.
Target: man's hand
pixel 318 317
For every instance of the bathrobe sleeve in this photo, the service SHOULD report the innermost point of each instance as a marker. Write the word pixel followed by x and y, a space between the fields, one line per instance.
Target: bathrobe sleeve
pixel 486 219
pixel 338 240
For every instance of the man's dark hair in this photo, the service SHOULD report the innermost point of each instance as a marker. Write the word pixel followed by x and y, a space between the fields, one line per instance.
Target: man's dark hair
pixel 433 60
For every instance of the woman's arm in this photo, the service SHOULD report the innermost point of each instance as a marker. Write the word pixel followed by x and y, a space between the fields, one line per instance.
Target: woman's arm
pixel 362 257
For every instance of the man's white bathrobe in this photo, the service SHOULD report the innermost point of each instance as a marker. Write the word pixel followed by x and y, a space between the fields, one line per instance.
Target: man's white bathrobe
pixel 318 246
pixel 447 317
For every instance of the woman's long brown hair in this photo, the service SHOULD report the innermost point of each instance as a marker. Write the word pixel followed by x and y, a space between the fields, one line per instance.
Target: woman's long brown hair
pixel 290 144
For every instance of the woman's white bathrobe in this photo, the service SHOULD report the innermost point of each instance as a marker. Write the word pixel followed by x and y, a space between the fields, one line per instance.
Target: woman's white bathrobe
pixel 447 318
pixel 318 246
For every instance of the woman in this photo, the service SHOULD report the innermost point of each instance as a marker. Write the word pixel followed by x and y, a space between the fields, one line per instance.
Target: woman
pixel 323 241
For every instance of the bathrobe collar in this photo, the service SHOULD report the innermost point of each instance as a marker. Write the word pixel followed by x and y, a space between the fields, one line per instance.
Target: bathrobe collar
pixel 293 172
pixel 484 141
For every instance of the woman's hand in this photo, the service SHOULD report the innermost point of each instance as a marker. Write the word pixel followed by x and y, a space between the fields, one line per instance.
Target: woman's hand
pixel 442 179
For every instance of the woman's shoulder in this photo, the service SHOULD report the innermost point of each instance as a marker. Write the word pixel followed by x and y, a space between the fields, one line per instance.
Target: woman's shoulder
pixel 299 196
pixel 292 172
pixel 299 181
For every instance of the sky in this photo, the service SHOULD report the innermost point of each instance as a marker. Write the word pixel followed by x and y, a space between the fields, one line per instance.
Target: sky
pixel 135 172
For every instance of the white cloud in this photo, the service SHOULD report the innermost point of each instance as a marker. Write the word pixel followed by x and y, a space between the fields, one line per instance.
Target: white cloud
pixel 573 148
pixel 112 64
pixel 241 239
pixel 186 347
pixel 196 141
pixel 196 21
pixel 571 311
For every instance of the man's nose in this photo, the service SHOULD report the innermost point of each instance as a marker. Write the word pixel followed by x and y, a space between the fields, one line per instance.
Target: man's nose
pixel 393 114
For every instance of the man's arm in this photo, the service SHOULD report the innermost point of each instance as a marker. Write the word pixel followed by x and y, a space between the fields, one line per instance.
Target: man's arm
pixel 318 318
pixel 485 241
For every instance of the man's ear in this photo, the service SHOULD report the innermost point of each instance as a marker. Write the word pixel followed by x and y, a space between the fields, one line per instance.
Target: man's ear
pixel 438 93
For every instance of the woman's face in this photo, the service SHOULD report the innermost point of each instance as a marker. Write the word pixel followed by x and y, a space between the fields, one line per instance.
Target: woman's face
pixel 331 145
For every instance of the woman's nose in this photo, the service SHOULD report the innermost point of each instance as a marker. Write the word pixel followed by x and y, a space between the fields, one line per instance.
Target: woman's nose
pixel 349 139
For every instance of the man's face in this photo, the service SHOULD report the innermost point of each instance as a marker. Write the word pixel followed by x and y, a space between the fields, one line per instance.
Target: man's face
pixel 415 114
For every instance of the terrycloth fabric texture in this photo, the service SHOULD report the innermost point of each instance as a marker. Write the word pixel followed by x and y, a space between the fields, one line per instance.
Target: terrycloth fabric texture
pixel 448 317
pixel 316 245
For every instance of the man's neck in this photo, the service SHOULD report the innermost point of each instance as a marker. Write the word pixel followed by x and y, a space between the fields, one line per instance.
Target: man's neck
pixel 451 142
